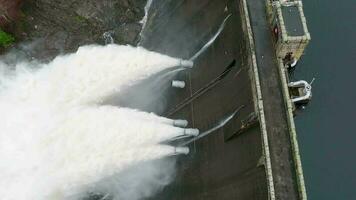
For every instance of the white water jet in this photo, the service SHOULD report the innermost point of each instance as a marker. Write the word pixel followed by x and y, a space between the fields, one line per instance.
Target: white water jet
pixel 108 37
pixel 144 19
pixel 218 126
pixel 180 123
pixel 56 140
pixel 211 41
pixel 147 8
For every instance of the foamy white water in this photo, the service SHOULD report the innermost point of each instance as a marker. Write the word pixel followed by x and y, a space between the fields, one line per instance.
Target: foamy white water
pixel 56 140
pixel 144 19
pixel 147 8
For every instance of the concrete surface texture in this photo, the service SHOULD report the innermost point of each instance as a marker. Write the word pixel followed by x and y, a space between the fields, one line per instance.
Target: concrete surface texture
pixel 217 168
pixel 276 116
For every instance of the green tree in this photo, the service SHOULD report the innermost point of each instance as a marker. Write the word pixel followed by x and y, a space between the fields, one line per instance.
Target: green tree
pixel 6 39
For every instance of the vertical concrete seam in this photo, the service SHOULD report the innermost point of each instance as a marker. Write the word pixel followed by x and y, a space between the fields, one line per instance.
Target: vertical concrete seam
pixel 191 94
pixel 292 132
pixel 259 102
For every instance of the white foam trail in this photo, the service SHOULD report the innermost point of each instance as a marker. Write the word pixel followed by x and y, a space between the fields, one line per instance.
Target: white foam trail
pixel 210 42
pixel 56 140
pixel 147 8
pixel 108 37
pixel 218 126
pixel 144 19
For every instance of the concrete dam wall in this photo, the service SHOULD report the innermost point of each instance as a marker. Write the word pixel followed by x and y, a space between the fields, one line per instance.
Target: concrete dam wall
pixel 224 164
pixel 251 156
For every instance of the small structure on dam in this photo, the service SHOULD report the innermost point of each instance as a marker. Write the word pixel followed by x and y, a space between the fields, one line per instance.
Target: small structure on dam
pixel 290 37
pixel 300 92
pixel 289 27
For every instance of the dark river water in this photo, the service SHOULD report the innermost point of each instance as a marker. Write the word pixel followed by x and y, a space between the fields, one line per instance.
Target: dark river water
pixel 326 129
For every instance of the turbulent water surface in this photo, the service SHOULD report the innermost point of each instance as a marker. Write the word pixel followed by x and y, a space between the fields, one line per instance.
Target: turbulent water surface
pixel 58 140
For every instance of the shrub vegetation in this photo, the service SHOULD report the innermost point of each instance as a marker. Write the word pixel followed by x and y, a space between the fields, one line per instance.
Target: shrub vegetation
pixel 6 39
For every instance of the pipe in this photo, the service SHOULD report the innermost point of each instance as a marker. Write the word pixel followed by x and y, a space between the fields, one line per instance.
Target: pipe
pixel 180 123
pixel 181 150
pixel 186 63
pixel 178 84
pixel 201 91
pixel 191 132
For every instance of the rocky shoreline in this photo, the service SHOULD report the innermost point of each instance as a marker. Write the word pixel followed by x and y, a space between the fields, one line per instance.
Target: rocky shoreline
pixel 52 27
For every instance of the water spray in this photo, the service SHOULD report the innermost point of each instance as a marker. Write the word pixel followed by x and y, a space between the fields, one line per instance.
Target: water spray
pixel 187 133
pixel 211 41
pixel 56 130
pixel 108 37
pixel 202 90
pixel 218 126
pixel 144 19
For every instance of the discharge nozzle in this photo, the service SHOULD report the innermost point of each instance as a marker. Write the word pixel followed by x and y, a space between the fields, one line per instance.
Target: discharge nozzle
pixel 191 132
pixel 186 63
pixel 181 150
pixel 178 84
pixel 180 123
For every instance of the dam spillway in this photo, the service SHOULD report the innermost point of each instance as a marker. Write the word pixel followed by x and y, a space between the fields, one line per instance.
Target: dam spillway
pixel 236 94
pixel 240 160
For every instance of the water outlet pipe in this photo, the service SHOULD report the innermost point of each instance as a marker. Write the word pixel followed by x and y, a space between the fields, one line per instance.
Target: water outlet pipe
pixel 178 84
pixel 186 63
pixel 180 123
pixel 191 132
pixel 181 150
